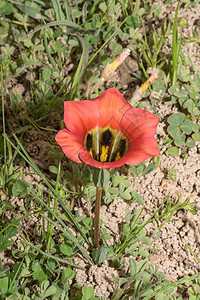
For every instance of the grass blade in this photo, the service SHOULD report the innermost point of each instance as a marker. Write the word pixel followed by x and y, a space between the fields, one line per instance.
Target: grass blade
pixel 58 10
pixel 81 67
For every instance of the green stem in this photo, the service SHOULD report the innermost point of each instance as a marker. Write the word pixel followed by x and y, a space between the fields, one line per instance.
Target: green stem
pixel 96 217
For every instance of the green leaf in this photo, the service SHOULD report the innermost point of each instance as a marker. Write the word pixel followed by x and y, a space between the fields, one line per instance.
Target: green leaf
pixel 133 267
pixel 50 291
pixel 193 297
pixel 6 8
pixel 189 104
pixel 148 169
pixel 173 89
pixel 103 7
pixel 88 292
pixel 73 42
pixel 145 239
pixel 140 168
pixel 67 248
pixel 173 151
pixel 53 169
pixel 132 21
pixel 101 177
pixel 136 169
pixel 31 11
pixel 190 142
pixel 174 131
pixel 196 127
pixel 4 243
pixel 176 119
pixel 67 233
pixel 144 252
pixel 76 172
pixel 184 75
pixel 20 187
pixel 9 232
pixel 133 170
pixel 126 196
pixel 46 73
pixel 196 136
pixel 25 272
pixel 120 180
pixel 38 272
pixel 99 255
pixel 86 177
pixel 88 222
pixel 180 141
pixel 68 274
pixel 143 276
pixel 3 285
pixel 187 126
pixel 112 191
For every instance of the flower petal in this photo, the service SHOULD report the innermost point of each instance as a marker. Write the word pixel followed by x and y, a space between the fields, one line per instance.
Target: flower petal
pixel 70 144
pixel 89 160
pixel 139 126
pixel 137 122
pixel 80 117
pixel 111 106
pixel 144 150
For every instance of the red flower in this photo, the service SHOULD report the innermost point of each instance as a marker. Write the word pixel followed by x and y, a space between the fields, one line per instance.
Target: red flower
pixel 108 132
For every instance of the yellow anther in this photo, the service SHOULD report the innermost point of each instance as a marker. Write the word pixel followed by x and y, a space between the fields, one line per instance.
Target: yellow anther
pixel 104 153
pixel 118 156
pixel 91 152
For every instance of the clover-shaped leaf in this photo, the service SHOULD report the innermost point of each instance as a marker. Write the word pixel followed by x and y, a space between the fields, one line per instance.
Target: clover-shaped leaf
pixel 174 131
pixel 184 75
pixel 190 142
pixel 176 119
pixel 173 151
pixel 180 141
pixel 195 127
pixel 187 126
pixel 196 136
pixel 174 89
pixel 182 100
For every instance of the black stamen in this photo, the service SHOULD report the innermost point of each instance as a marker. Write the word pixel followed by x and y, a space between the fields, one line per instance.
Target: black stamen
pixel 122 147
pixel 89 142
pixel 120 150
pixel 107 138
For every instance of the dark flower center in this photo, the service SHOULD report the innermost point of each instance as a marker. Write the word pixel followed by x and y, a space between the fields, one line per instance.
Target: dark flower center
pixel 106 144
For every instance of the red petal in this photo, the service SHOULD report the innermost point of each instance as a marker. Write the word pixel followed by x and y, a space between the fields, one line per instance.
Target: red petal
pixel 145 149
pixel 112 106
pixel 139 126
pixel 70 144
pixel 137 123
pixel 89 160
pixel 80 117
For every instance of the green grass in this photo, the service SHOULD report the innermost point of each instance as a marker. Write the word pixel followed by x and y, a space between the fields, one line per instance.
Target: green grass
pixel 58 50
